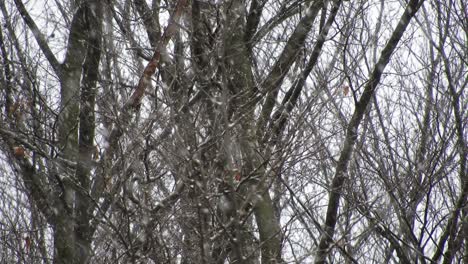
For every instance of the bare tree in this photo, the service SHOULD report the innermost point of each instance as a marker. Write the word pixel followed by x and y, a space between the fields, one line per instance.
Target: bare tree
pixel 233 131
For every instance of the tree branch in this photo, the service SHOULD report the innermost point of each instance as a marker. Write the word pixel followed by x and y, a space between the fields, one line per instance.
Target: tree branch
pixel 135 99
pixel 351 131
pixel 41 41
pixel 292 95
pixel 274 79
pixel 150 20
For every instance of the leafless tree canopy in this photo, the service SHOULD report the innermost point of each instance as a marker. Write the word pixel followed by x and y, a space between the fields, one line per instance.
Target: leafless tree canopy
pixel 259 131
